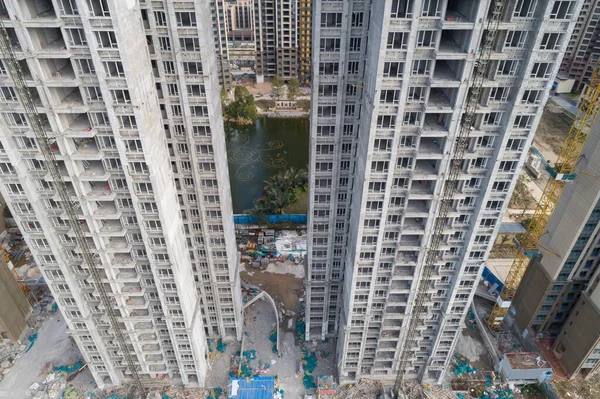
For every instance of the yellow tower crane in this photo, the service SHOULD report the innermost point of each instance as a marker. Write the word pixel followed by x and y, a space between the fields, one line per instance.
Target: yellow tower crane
pixel 562 172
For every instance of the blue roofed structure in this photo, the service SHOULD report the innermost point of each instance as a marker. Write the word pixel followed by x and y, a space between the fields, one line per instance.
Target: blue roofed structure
pixel 259 387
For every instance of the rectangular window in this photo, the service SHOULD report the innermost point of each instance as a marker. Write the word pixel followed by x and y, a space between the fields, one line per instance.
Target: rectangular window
pixel 541 70
pixel 331 19
pixel 185 18
pixel 393 69
pixel 397 41
pixel 402 9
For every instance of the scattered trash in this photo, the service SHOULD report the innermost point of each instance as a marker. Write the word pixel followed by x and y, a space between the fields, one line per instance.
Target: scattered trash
pixel 32 338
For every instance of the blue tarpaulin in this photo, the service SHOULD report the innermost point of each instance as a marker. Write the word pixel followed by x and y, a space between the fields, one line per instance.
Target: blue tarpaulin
pixel 259 387
pixel 248 219
pixel 491 277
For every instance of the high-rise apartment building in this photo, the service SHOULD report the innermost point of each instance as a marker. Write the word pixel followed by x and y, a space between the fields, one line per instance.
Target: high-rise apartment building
pixel 583 51
pixel 240 20
pixel 218 9
pixel 276 37
pixel 560 297
pixel 388 94
pixel 126 91
pixel 304 41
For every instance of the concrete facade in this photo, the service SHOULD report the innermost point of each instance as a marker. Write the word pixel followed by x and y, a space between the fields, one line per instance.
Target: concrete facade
pixel 555 285
pixel 583 51
pixel 389 85
pixel 15 307
pixel 128 92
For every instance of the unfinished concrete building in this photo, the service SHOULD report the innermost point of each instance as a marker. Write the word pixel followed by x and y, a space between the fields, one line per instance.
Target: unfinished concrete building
pixel 128 93
pixel 220 33
pixel 559 297
pixel 388 92
pixel 276 38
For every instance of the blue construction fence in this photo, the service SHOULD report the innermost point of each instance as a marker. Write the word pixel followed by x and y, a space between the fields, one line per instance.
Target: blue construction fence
pixel 272 219
pixel 491 277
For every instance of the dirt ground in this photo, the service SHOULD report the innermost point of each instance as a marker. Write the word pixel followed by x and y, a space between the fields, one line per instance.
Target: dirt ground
pixel 283 281
pixel 552 131
pixel 260 88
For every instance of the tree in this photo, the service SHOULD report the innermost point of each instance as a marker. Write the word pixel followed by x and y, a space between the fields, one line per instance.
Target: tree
pixel 243 106
pixel 293 88
pixel 278 86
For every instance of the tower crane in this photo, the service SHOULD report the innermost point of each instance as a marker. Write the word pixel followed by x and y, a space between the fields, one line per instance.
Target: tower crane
pixel 561 172
pixel 450 187
pixel 69 207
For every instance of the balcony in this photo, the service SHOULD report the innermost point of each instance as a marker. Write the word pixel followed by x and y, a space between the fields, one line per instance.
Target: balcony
pixel 426 169
pixel 454 44
pixel 413 225
pixel 447 73
pixel 410 242
pixel 85 149
pixel 431 147
pixel 116 244
pixel 100 191
pixel 49 43
pixel 38 13
pixel 112 228
pixel 76 125
pixel 92 171
pixel 436 124
pixel 133 289
pixel 417 208
pixel 106 210
pixel 67 100
pixel 460 14
pixel 441 99
pixel 58 72
pixel 135 302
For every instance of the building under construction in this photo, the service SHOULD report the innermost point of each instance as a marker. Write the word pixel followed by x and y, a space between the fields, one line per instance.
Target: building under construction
pixel 112 162
pixel 422 116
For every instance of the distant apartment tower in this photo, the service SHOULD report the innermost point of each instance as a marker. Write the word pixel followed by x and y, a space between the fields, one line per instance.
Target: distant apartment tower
pixel 583 51
pixel 276 37
pixel 388 92
pixel 240 20
pixel 304 41
pixel 560 297
pixel 220 31
pixel 128 93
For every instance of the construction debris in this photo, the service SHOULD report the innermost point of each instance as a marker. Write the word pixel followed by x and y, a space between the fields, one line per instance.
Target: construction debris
pixel 270 247
pixel 363 389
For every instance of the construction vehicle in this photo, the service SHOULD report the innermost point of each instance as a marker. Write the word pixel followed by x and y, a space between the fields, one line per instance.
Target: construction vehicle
pixel 563 171
pixel 480 72
pixel 45 144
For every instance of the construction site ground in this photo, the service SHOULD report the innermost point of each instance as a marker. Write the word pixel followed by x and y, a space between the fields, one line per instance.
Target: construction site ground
pixel 53 348
pixel 283 281
pixel 552 131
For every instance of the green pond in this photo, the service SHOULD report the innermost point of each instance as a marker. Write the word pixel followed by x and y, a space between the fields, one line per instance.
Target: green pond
pixel 259 151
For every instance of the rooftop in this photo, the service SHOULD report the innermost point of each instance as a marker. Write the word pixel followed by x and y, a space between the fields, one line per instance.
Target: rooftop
pixel 527 360
pixel 260 387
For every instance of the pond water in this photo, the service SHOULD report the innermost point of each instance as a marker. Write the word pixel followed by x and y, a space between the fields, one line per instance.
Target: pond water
pixel 257 152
